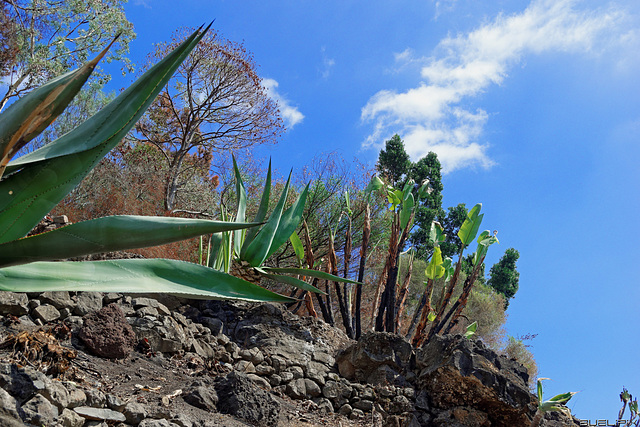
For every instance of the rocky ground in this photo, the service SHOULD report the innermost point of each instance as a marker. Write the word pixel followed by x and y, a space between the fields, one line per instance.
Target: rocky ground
pixel 93 359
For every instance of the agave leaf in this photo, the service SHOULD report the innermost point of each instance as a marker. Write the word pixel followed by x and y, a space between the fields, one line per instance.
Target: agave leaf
pixel 469 228
pixel 258 249
pixel 260 215
pixel 311 273
pixel 133 276
pixel 46 176
pixel 289 281
pixel 111 233
pixel 29 116
pixel 241 194
pixel 289 222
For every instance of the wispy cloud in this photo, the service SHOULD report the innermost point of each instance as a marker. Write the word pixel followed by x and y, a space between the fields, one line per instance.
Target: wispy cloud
pixel 432 115
pixel 327 63
pixel 290 114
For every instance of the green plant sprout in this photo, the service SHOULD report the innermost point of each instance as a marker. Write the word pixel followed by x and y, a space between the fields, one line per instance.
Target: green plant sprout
pixel 556 403
pixel 243 252
pixel 627 399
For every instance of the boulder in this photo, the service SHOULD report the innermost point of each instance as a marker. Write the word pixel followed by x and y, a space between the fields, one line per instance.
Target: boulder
pixel 107 333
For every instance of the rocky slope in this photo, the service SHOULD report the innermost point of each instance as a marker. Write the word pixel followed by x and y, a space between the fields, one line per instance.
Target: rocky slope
pixel 93 359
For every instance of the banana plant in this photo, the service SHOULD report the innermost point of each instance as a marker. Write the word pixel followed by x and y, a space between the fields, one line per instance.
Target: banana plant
pixel 556 403
pixel 251 248
pixel 34 183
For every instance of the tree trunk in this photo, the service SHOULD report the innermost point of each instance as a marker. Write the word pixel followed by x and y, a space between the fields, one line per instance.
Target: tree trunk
pixel 172 181
pixel 366 233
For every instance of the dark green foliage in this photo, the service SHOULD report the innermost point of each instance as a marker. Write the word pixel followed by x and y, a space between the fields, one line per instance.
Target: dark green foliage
pixel 451 223
pixel 429 168
pixel 504 276
pixel 393 162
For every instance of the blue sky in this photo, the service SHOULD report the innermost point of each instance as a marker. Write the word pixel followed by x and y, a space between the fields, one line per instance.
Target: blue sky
pixel 534 110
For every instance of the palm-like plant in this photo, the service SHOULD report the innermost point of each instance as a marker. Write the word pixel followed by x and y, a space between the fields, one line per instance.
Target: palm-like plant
pixel 33 184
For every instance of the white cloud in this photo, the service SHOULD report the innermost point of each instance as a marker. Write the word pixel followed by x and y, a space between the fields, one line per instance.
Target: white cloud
pixel 327 63
pixel 290 114
pixel 429 117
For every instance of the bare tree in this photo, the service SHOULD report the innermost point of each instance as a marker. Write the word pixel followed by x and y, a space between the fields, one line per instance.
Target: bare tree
pixel 41 39
pixel 215 102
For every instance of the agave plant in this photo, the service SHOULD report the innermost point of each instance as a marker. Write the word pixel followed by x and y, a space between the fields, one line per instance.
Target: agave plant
pixel 33 184
pixel 243 252
pixel 556 403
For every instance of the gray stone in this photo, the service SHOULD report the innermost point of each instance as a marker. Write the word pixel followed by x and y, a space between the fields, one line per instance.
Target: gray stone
pixel 240 397
pixel 57 394
pixel 46 312
pixel 114 402
pixel 275 380
pixel 134 412
pixel 58 299
pixel 69 418
pixel 87 303
pixel 146 311
pixel 14 303
pixel 324 405
pixel 261 382
pixel 39 411
pixel 22 383
pixel 312 389
pixel 345 410
pixel 297 371
pixel 157 423
pixel 286 376
pixel 296 389
pixel 202 349
pixel 245 366
pixel 95 398
pixel 264 369
pixel 356 414
pixel 363 404
pixel 324 358
pixel 203 397
pixel 99 414
pixel 8 405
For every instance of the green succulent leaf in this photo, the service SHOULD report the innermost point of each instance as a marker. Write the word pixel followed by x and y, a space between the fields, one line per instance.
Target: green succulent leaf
pixel 311 273
pixel 469 228
pixel 111 233
pixel 259 248
pixel 133 276
pixel 241 194
pixel 36 182
pixel 289 222
pixel 260 215
pixel 30 115
pixel 431 316
pixel 289 281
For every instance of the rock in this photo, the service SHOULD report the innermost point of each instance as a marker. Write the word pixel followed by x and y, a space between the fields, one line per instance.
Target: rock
pixel 58 299
pixel 261 382
pixel 157 423
pixel 134 412
pixel 21 383
pixel 203 397
pixel 46 312
pixel 69 418
pixel 57 394
pixel 464 373
pixel 95 398
pixel 107 333
pixel 39 411
pixel 312 389
pixel 378 358
pixel 8 407
pixel 99 414
pixel 14 303
pixel 296 389
pixel 164 335
pixel 243 399
pixel 88 302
